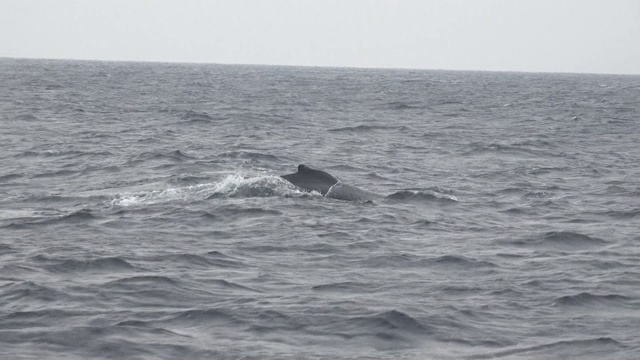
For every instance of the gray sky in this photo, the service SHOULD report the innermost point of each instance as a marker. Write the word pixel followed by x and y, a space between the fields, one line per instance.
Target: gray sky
pixel 594 36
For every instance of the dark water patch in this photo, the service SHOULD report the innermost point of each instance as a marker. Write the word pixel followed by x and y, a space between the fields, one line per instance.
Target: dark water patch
pixel 571 239
pixel 246 213
pixel 82 216
pixel 187 179
pixel 22 320
pixel 620 214
pixel 365 220
pixel 274 319
pixel 367 128
pixel 336 235
pixel 143 282
pixel 27 117
pixel 546 170
pixel 570 349
pixel 208 260
pixel 589 299
pixel 344 168
pixel 619 190
pixel 175 156
pixel 561 240
pixel 248 155
pixel 99 265
pixel 518 211
pixel 228 285
pixel 101 169
pixel 440 262
pixel 6 249
pixel 206 216
pixel 62 153
pixel 461 290
pixel 197 117
pixel 200 317
pixel 504 149
pixel 422 224
pixel 17 271
pixel 346 287
pixel 28 292
pixel 57 174
pixel 9 177
pixel 602 262
pixel 461 262
pixel 390 329
pixel 93 135
pixel 55 200
pixel 400 105
pixel 538 194
pixel 401 260
pixel 109 341
pixel 376 176
pixel 314 248
pixel 582 221
pixel 76 217
pixel 512 190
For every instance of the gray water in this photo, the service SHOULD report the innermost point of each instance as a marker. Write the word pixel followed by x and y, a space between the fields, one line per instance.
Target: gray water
pixel 142 215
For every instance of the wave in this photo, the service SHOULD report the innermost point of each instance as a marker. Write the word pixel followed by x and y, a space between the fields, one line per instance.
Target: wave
pixel 195 116
pixel 248 155
pixel 574 349
pixel 9 177
pixel 345 287
pixel 506 149
pixel 198 317
pixel 445 261
pixel 387 330
pixel 401 105
pixel 27 117
pixel 172 156
pixel 210 259
pixel 28 292
pixel 563 240
pixel 367 128
pixel 74 217
pixel 621 214
pixel 57 173
pixel 6 248
pixel 228 285
pixel 571 239
pixel 232 186
pixel 589 299
pixel 101 265
pixel 461 262
pixel 140 282
pixel 61 153
pixel 420 196
pixel 116 341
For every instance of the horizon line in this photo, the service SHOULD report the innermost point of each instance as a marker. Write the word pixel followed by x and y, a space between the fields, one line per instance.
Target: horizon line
pixel 314 66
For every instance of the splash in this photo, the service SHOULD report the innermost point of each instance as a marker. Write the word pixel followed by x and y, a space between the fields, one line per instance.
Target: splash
pixel 232 186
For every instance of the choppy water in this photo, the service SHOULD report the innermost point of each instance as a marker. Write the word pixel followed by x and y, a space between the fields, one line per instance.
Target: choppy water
pixel 142 216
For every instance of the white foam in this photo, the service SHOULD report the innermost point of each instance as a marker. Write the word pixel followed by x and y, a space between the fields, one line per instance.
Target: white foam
pixel 228 186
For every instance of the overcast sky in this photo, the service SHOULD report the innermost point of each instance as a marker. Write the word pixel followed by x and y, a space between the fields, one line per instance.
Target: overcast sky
pixel 593 36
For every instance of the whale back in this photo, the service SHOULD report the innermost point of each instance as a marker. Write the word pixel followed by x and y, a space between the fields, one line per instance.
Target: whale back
pixel 311 179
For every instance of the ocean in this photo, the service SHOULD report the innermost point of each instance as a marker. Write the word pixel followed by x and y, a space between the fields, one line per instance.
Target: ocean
pixel 143 216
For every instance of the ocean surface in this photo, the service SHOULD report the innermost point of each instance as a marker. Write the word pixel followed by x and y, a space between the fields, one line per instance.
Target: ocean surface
pixel 142 213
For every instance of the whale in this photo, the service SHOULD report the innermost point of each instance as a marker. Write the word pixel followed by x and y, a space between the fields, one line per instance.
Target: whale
pixel 310 180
